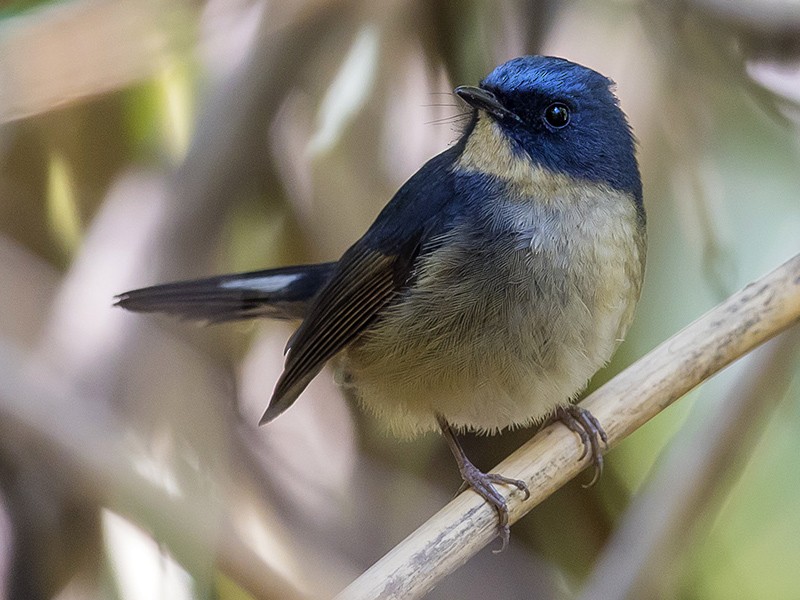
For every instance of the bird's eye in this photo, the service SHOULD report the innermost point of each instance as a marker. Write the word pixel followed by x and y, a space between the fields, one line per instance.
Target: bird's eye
pixel 557 115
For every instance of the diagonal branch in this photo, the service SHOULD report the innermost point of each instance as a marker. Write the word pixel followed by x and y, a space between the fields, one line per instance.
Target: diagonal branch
pixel 702 462
pixel 458 531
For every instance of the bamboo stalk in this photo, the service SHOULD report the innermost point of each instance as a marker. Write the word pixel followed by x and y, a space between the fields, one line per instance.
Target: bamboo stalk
pixel 445 542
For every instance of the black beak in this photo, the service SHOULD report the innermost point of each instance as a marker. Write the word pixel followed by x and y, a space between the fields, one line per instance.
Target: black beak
pixel 485 100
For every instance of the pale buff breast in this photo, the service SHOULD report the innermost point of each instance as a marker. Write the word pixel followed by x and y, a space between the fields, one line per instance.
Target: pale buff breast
pixel 499 333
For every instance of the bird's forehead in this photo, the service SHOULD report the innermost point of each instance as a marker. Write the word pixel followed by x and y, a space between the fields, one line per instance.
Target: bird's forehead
pixel 545 75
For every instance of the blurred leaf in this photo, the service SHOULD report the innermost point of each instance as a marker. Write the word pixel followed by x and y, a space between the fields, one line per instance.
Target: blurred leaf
pixel 13 8
pixel 62 206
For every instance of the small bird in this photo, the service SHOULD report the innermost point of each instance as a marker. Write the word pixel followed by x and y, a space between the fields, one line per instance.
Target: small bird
pixel 495 283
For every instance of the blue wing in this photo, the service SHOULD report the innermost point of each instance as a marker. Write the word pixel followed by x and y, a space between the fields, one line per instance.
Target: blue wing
pixel 372 273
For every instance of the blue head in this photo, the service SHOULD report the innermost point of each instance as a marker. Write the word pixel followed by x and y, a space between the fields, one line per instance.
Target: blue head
pixel 564 117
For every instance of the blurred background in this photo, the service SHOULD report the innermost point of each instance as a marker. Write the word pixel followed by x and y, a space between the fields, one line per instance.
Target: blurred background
pixel 151 140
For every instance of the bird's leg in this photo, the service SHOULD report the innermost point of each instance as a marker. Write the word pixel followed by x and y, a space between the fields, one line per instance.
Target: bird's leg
pixel 482 483
pixel 581 421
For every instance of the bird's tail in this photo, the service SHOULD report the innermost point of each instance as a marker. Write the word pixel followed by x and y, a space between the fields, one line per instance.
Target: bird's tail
pixel 282 293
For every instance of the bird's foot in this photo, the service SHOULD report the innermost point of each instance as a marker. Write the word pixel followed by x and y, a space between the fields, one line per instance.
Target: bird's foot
pixel 483 484
pixel 581 421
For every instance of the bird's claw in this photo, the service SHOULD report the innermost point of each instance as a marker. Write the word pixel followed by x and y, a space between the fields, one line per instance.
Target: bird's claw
pixel 483 484
pixel 582 422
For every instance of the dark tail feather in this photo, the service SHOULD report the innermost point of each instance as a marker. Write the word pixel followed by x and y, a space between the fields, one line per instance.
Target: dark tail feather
pixel 275 293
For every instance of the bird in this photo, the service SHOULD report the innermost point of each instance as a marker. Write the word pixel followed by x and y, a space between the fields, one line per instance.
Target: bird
pixel 488 291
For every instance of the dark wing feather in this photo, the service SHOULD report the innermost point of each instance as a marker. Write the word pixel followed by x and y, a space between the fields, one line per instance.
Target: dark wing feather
pixel 364 283
pixel 369 275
